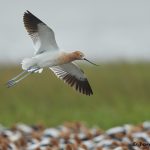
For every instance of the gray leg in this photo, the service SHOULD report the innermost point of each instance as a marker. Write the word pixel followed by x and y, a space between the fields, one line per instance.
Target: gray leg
pixel 16 79
pixel 19 75
pixel 27 74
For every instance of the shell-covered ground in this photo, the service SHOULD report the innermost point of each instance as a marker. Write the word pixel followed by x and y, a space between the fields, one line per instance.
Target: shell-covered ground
pixel 75 136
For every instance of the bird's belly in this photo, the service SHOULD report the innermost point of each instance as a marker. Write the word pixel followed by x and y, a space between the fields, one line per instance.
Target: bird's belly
pixel 47 59
pixel 46 63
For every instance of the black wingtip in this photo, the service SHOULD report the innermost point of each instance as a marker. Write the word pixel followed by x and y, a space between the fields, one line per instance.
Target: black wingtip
pixel 27 12
pixel 79 85
pixel 31 22
pixel 31 17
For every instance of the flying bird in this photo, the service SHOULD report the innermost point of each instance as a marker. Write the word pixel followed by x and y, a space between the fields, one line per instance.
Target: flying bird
pixel 48 54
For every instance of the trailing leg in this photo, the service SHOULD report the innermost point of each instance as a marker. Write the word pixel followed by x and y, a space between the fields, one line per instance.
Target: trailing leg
pixel 14 80
pixel 22 76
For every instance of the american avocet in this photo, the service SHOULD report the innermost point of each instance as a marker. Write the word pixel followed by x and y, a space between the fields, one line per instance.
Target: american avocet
pixel 48 54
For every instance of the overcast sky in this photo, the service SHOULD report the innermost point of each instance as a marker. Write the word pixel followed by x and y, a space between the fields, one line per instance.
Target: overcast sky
pixel 102 29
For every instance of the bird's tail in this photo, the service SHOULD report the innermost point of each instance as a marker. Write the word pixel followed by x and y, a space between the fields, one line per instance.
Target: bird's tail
pixel 29 64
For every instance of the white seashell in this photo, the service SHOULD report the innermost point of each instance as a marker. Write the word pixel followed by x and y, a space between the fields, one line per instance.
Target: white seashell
pixel 140 135
pixel 12 147
pixel 12 136
pixel 24 128
pixel 8 133
pixel 99 138
pixel 2 128
pixel 128 128
pixel 52 132
pixel 43 148
pixel 81 135
pixel 16 136
pixel 72 141
pixel 126 140
pixel 136 148
pixel 115 130
pixel 45 141
pixel 104 143
pixel 33 141
pixel 106 148
pixel 61 141
pixel 72 136
pixel 62 146
pixel 146 124
pixel 89 144
pixel 118 148
pixel 94 130
pixel 80 148
pixel 148 139
pixel 63 128
pixel 33 146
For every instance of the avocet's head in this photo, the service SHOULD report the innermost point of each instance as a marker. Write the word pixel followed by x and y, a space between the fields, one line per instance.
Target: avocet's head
pixel 80 56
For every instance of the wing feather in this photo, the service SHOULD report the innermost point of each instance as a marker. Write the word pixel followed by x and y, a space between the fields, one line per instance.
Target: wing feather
pixel 74 76
pixel 42 36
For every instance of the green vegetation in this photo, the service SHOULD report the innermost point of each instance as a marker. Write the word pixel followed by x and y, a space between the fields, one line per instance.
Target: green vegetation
pixel 121 95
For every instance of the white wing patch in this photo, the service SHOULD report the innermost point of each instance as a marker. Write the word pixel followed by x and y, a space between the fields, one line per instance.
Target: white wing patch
pixel 43 37
pixel 74 76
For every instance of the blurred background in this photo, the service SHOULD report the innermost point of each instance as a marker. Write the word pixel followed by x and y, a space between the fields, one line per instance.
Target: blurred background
pixel 115 34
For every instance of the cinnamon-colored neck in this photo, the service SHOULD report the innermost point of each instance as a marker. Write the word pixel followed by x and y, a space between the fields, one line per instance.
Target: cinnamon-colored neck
pixel 66 58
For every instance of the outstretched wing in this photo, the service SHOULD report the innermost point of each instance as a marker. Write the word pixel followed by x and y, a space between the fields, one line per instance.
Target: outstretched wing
pixel 43 37
pixel 74 76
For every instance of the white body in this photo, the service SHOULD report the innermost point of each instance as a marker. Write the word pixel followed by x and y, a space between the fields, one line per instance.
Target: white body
pixel 46 59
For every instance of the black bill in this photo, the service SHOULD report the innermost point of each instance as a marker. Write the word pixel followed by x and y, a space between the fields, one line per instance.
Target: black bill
pixel 90 62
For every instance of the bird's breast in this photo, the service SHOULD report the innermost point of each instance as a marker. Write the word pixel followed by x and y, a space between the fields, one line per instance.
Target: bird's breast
pixel 47 59
pixel 64 58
